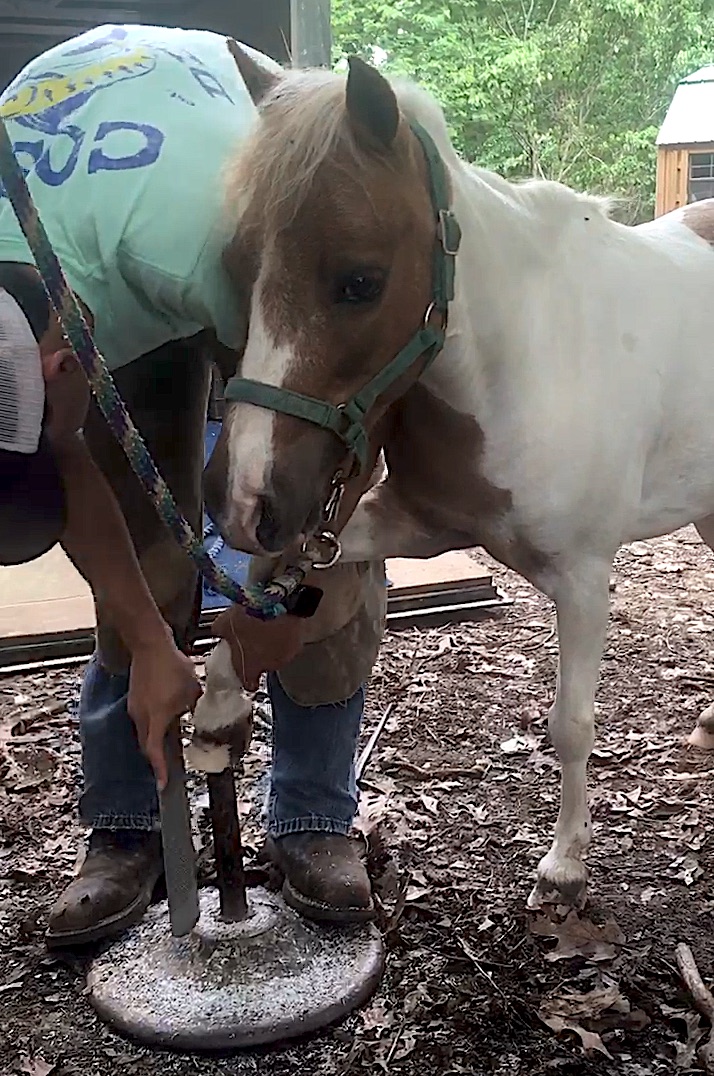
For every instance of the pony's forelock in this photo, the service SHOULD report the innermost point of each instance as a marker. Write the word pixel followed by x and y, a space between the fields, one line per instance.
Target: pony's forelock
pixel 302 124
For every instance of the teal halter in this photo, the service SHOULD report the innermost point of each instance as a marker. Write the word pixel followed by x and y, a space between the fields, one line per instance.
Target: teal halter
pixel 347 420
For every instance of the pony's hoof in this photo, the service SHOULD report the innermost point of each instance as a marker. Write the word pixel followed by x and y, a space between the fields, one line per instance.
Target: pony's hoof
pixel 705 722
pixel 560 882
pixel 701 738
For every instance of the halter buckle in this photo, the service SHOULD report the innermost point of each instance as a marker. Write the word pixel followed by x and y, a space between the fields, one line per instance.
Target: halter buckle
pixel 449 233
pixel 334 499
pixel 432 309
pixel 333 549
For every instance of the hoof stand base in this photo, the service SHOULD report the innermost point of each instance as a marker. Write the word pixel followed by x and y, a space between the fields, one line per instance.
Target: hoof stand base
pixel 272 977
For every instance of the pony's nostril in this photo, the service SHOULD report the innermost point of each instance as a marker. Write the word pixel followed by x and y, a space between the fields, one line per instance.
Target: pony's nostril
pixel 267 531
pixel 213 495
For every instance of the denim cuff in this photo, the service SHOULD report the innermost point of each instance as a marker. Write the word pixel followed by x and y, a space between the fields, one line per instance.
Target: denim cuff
pixel 310 823
pixel 145 823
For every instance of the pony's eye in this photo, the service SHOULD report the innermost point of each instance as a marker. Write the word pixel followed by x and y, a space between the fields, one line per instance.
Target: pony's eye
pixel 359 286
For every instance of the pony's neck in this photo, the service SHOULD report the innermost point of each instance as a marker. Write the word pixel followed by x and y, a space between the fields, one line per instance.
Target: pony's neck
pixel 503 240
pixel 514 263
pixel 500 249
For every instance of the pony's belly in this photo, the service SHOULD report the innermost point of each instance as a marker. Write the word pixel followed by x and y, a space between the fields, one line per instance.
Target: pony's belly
pixel 673 505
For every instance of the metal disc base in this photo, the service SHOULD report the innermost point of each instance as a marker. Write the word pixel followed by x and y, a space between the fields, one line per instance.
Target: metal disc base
pixel 272 977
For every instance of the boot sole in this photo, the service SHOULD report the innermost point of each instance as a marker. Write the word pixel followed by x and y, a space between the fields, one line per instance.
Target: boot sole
pixel 107 928
pixel 324 913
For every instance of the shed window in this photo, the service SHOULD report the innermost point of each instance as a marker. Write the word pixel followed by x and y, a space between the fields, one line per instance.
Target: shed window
pixel 701 176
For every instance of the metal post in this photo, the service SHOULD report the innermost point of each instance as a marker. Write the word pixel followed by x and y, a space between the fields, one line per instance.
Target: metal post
pixel 227 847
pixel 311 38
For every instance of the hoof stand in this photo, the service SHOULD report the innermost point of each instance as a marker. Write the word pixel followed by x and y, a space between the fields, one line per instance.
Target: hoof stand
pixel 269 978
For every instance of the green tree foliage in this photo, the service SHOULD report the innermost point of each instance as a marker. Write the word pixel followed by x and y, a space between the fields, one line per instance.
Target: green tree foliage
pixel 573 90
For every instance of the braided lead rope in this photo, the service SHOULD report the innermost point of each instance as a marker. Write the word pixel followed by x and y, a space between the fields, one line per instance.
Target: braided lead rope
pixel 265 601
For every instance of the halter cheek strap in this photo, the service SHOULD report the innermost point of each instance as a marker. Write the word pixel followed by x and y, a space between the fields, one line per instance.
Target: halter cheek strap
pixel 347 420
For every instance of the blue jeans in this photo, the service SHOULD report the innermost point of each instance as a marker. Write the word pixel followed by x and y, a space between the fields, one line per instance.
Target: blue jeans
pixel 313 785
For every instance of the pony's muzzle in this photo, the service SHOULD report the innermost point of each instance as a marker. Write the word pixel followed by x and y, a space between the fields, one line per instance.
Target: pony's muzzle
pixel 236 516
pixel 258 522
pixel 273 533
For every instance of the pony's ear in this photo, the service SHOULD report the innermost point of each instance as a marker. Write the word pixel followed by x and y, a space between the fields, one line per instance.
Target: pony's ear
pixel 371 104
pixel 259 81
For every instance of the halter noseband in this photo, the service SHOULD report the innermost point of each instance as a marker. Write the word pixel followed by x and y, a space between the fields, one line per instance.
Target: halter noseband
pixel 346 420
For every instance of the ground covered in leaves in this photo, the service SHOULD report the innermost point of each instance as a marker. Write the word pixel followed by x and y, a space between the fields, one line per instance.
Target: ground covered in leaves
pixel 459 803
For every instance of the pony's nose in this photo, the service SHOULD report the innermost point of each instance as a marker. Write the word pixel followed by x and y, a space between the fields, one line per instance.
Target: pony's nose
pixel 282 521
pixel 271 535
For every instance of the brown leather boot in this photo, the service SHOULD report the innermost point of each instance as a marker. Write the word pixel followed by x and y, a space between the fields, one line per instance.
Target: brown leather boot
pixel 112 890
pixel 325 877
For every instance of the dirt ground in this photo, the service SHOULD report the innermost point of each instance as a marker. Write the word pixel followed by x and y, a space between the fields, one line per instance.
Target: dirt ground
pixel 460 800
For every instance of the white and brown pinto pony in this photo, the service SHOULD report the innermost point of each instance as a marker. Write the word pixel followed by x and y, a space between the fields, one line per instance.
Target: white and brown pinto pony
pixel 571 409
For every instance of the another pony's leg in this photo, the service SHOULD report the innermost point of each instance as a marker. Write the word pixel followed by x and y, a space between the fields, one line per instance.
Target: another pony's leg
pixel 166 393
pixel 703 734
pixel 581 595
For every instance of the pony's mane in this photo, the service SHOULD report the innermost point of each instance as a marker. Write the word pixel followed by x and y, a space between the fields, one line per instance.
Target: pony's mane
pixel 303 124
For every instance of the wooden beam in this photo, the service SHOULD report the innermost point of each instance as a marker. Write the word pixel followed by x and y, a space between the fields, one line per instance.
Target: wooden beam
pixel 99 12
pixel 58 31
pixel 311 44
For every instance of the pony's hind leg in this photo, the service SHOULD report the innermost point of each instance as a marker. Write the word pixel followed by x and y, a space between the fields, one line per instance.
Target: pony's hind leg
pixel 703 734
pixel 582 598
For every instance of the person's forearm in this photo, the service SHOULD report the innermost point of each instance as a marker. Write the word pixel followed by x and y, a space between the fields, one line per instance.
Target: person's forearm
pixel 97 541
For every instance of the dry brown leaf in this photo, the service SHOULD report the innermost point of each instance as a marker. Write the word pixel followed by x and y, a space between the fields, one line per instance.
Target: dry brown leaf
pixel 578 936
pixel 30 766
pixel 373 810
pixel 417 893
pixel 520 744
pixel 689 869
pixel 37 1066
pixel 430 802
pixel 602 1008
pixel 686 1052
pixel 377 1017
pixel 590 1040
pixel 588 1006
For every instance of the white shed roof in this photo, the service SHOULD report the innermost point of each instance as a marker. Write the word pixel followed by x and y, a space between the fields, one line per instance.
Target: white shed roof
pixel 690 117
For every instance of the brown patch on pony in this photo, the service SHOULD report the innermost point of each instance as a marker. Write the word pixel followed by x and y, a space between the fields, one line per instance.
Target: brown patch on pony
pixel 436 453
pixel 699 216
pixel 435 456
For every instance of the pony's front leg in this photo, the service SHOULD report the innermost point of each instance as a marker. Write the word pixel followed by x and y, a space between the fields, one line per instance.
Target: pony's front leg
pixel 383 525
pixel 582 598
pixel 703 734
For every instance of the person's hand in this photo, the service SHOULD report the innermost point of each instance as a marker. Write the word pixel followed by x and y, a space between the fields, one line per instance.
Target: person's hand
pixel 258 646
pixel 162 686
pixel 67 393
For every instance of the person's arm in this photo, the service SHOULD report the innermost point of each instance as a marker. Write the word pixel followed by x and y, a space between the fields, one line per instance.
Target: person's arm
pixel 163 683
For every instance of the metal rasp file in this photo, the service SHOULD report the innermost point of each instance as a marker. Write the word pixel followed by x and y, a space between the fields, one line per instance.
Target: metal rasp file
pixel 179 854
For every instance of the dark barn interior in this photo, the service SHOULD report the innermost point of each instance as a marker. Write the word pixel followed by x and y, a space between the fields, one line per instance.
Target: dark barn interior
pixel 279 28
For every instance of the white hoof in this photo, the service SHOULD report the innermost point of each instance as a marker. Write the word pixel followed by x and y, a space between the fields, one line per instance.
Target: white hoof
pixel 208 758
pixel 560 881
pixel 701 738
pixel 706 719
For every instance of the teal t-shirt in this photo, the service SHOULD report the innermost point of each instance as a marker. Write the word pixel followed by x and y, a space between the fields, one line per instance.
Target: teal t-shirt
pixel 125 133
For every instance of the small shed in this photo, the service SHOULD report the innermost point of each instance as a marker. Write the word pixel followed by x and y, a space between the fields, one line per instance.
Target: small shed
pixel 685 144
